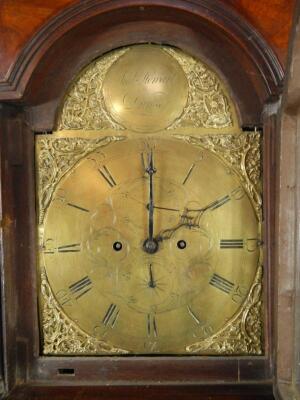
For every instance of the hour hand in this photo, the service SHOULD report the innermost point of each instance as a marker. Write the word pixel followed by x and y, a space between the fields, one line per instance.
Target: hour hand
pixel 191 217
pixel 186 220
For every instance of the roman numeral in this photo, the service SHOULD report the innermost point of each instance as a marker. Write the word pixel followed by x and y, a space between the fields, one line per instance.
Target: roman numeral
pixel 47 247
pixel 111 316
pixel 218 203
pixel 231 243
pixel 64 297
pixel 77 207
pixel 151 326
pixel 238 193
pixel 107 176
pixel 188 174
pixel 69 248
pixel 81 287
pixel 221 283
pixel 49 251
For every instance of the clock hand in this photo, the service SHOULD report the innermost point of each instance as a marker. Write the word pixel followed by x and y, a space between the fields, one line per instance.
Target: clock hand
pixel 185 220
pixel 151 170
pixel 164 208
pixel 150 244
pixel 191 221
pixel 151 283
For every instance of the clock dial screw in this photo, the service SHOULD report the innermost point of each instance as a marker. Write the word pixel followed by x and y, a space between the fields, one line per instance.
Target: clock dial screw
pixel 117 246
pixel 181 244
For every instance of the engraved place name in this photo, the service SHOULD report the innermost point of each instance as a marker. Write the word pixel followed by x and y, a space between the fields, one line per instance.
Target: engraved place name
pixel 156 103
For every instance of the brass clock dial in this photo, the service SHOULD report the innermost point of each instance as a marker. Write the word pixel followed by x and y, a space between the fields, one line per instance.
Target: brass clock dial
pixel 151 245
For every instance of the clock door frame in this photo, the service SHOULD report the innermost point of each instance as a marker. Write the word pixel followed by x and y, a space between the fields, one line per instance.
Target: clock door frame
pixel 206 29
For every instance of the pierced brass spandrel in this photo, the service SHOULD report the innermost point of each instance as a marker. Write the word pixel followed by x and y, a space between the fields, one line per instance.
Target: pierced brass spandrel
pixel 209 105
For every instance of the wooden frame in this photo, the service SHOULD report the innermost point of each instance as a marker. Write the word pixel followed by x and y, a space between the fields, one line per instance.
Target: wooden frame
pixel 38 81
pixel 287 293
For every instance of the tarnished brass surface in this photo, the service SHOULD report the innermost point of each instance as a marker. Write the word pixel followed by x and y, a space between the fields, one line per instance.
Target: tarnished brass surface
pixel 147 88
pixel 204 298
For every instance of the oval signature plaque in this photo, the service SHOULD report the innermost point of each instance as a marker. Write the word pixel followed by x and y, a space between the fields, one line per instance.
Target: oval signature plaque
pixel 146 89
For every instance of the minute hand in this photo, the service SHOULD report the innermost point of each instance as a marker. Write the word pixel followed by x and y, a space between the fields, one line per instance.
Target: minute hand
pixel 151 170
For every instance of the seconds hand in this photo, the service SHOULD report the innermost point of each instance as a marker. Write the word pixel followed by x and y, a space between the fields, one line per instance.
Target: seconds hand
pixel 151 283
pixel 150 244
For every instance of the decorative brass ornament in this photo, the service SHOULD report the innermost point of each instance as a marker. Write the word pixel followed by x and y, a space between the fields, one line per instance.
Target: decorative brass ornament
pixel 149 213
pixel 190 95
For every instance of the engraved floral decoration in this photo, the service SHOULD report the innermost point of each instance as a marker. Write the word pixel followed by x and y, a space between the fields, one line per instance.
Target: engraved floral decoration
pixel 83 107
pixel 208 105
pixel 56 157
pixel 61 335
pixel 243 334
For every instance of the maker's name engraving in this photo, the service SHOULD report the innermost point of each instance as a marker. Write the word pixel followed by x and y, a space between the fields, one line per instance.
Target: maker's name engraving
pixel 153 98
pixel 146 78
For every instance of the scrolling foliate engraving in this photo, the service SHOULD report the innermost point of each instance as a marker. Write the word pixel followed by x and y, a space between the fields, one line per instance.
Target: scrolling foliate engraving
pixel 208 106
pixel 83 107
pixel 61 335
pixel 242 153
pixel 243 334
pixel 208 102
pixel 55 156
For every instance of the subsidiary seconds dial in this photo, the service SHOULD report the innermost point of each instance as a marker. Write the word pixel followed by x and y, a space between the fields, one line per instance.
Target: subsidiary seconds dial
pixel 150 247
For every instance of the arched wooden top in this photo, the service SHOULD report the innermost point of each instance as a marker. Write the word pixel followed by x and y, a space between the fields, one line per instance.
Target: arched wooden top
pixel 206 29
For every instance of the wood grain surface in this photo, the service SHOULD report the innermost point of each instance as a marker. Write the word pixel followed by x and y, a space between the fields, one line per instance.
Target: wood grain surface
pixel 145 393
pixel 20 20
pixel 272 18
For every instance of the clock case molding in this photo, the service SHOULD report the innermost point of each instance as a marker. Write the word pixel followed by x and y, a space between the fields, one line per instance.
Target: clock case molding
pixel 30 100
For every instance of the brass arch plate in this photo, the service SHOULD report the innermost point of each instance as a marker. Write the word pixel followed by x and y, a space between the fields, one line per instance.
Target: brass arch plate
pixel 146 89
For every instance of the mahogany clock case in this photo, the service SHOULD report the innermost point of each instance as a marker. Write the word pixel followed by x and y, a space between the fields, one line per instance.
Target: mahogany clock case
pixel 207 30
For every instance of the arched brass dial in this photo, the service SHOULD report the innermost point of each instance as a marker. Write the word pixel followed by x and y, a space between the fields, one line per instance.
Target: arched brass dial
pixel 183 201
